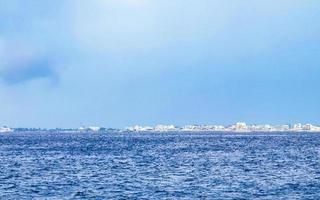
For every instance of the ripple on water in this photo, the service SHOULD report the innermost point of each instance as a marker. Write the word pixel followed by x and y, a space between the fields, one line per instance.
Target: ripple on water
pixel 159 166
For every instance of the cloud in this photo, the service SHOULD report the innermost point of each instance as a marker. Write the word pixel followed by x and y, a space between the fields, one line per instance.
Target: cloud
pixel 32 38
pixel 30 70
pixel 22 63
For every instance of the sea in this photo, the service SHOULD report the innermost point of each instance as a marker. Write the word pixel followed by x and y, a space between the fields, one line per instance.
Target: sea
pixel 160 166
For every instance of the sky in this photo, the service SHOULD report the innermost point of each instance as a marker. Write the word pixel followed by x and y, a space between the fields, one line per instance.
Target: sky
pixel 117 63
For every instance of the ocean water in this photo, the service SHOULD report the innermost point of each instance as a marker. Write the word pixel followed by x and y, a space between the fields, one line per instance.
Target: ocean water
pixel 160 166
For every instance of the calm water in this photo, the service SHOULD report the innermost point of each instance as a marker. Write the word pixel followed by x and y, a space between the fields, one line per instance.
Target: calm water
pixel 159 166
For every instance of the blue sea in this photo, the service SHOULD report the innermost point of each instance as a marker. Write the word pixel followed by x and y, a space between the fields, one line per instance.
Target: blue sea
pixel 160 166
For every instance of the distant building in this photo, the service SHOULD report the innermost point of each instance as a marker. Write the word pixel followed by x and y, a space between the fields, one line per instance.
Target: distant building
pixel 139 128
pixel 94 128
pixel 5 129
pixel 163 128
pixel 310 127
pixel 90 129
pixel 297 127
pixel 241 126
pixel 190 128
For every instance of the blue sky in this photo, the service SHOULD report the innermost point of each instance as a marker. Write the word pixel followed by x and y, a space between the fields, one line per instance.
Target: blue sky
pixel 117 63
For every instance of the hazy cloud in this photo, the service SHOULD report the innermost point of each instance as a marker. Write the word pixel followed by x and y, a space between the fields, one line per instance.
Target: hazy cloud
pixel 21 62
pixel 26 71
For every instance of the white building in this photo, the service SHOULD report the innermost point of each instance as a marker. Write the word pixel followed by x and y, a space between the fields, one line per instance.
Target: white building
pixel 5 129
pixel 241 126
pixel 94 128
pixel 310 127
pixel 281 128
pixel 90 128
pixel 297 127
pixel 139 128
pixel 164 128
pixel 190 128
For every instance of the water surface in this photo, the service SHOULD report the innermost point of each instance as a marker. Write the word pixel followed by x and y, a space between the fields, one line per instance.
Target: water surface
pixel 159 166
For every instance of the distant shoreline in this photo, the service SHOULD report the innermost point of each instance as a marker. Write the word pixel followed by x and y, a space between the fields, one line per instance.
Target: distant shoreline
pixel 163 132
pixel 239 127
